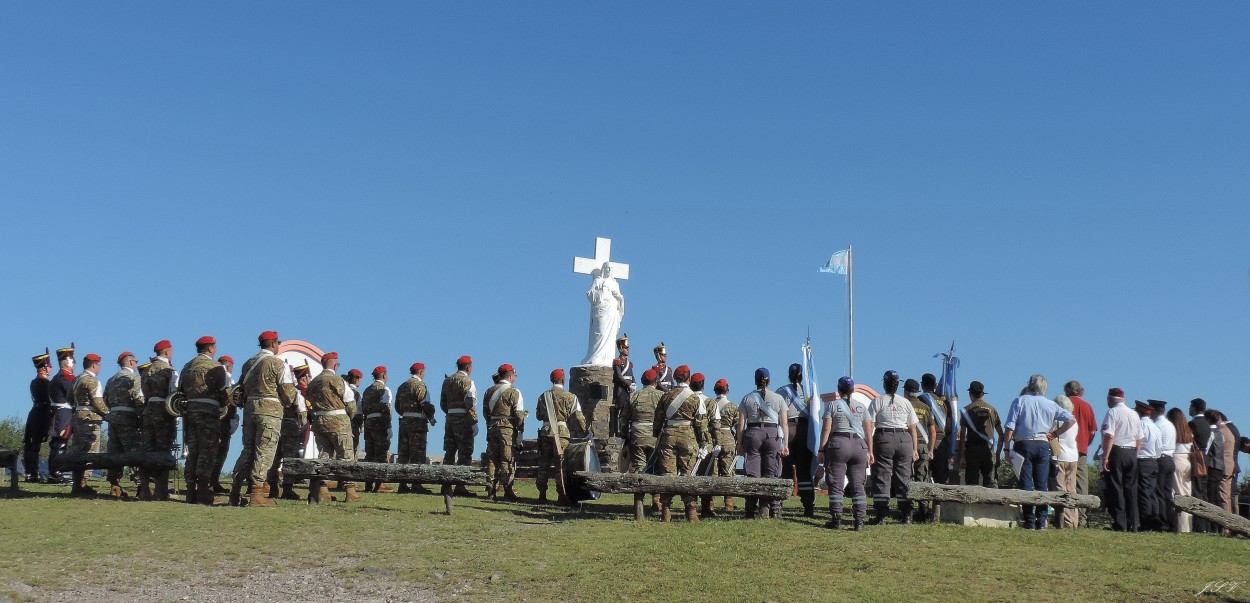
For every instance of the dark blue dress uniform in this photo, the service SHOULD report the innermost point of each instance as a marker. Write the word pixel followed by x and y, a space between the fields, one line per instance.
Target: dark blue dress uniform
pixel 38 420
pixel 62 410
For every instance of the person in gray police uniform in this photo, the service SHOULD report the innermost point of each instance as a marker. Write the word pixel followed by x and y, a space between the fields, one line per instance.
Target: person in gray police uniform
pixel 891 434
pixel 846 454
pixel 762 436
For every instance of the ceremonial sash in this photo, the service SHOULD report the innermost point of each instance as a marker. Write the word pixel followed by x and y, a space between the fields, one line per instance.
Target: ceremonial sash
pixel 856 424
pixel 797 396
pixel 490 402
pixel 973 426
pixel 675 405
pixel 940 417
pixel 549 402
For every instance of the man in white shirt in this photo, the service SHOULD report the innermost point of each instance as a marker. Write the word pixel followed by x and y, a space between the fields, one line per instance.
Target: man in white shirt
pixel 1166 482
pixel 1121 437
pixel 1148 505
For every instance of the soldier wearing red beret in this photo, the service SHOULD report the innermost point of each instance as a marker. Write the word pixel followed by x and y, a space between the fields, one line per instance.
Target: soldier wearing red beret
pixel 229 425
pixel 332 406
pixel 376 404
pixel 681 431
pixel 204 382
pixel 459 401
pixel 416 415
pixel 160 430
pixel 292 437
pixel 556 407
pixel 635 426
pixel 504 411
pixel 89 412
pixel 269 388
pixel 123 394
pixel 723 425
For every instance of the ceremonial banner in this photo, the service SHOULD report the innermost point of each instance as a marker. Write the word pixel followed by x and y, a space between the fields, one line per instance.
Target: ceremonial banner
pixel 947 389
pixel 811 392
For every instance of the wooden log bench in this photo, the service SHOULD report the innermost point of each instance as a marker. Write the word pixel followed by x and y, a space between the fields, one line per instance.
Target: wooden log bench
pixel 640 484
pixel 81 461
pixel 1233 523
pixel 8 460
pixel 447 475
pixel 964 499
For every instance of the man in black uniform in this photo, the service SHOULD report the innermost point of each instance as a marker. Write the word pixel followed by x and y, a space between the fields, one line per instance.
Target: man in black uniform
pixel 39 418
pixel 663 372
pixel 1202 433
pixel 62 411
pixel 622 382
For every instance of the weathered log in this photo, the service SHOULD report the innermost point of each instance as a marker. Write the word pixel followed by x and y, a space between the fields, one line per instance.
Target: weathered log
pixel 382 472
pixel 627 483
pixel 8 460
pixel 1212 513
pixel 996 496
pixel 79 461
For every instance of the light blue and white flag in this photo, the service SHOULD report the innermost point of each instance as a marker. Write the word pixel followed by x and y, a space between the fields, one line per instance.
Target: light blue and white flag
pixel 947 389
pixel 811 391
pixel 837 263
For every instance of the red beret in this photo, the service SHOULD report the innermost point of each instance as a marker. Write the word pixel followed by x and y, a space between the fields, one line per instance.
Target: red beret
pixel 416 366
pixel 162 345
pixel 122 356
pixel 682 373
pixel 649 375
pixel 1115 392
pixel 329 356
pixel 268 335
pixel 225 359
pixel 91 358
pixel 206 340
pixel 505 368
pixel 721 383
pixel 557 376
pixel 378 370
pixel 698 378
pixel 355 373
pixel 464 360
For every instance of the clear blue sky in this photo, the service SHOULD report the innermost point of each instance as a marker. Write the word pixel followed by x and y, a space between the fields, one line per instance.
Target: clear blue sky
pixel 1061 188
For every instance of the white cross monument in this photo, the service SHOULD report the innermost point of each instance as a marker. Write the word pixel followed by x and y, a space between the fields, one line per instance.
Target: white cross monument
pixel 607 305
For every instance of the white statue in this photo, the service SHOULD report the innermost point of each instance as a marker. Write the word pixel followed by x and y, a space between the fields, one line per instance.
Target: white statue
pixel 607 304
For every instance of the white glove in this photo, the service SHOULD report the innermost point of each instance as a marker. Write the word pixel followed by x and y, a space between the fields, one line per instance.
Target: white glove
pixel 633 386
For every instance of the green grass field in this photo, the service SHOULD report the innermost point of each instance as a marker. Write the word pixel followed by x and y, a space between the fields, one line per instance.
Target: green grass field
pixel 517 551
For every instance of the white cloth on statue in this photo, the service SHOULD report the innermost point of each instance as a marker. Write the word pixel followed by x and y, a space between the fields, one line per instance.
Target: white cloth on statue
pixel 607 308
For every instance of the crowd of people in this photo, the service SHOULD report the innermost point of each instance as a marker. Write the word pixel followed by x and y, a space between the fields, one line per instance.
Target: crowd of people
pixel 669 427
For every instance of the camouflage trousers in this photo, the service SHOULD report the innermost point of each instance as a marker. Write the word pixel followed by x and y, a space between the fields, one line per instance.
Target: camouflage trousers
pixel 260 443
pixel 223 448
pixel 377 441
pixel 159 432
pixel 202 434
pixel 500 460
pixel 124 436
pixel 677 452
pixel 333 435
pixel 413 436
pixel 549 462
pixel 727 458
pixel 458 440
pixel 290 444
pixel 85 436
pixel 641 447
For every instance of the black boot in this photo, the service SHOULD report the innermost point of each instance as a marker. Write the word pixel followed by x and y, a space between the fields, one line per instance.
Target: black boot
pixel 905 510
pixel 878 513
pixel 859 525
pixel 835 518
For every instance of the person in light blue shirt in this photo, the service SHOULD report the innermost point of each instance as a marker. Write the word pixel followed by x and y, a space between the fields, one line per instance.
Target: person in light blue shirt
pixel 1028 426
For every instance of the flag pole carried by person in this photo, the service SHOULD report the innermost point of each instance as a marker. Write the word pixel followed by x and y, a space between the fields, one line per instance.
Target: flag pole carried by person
pixel 814 410
pixel 947 389
pixel 840 263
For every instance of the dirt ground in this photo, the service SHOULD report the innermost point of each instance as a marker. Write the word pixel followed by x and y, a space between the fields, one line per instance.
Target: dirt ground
pixel 359 585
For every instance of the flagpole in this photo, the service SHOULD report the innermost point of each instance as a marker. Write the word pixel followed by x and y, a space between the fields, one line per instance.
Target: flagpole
pixel 850 296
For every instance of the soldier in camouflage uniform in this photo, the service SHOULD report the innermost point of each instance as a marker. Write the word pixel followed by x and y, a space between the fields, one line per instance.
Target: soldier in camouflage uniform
pixel 203 382
pixel 353 378
pixel 333 405
pixel 504 411
pixel 635 423
pixel 722 425
pixel 680 434
pixel 459 401
pixel 268 387
pixel 556 407
pixel 941 461
pixel 89 412
pixel 159 428
pixel 291 438
pixel 229 424
pixel 416 415
pixel 123 394
pixel 978 431
pixel 926 431
pixel 375 403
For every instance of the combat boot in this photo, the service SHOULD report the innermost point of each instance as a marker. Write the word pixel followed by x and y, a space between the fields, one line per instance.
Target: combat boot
pixel 403 488
pixel 273 490
pixel 707 511
pixel 461 490
pixel 692 513
pixel 878 514
pixel 835 518
pixel 288 492
pixel 236 488
pixel 264 488
pixel 509 494
pixel 382 487
pixel 204 496
pixel 666 514
pixel 192 491
pixel 809 509
pixel 115 490
pixel 145 490
pixel 729 504
pixel 258 499
pixel 418 488
pixel 905 510
pixel 858 526
pixel 350 495
pixel 542 496
pixel 218 488
pixel 76 486
pixel 491 492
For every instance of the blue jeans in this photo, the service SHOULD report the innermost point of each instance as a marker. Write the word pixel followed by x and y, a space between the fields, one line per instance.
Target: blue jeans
pixel 1034 475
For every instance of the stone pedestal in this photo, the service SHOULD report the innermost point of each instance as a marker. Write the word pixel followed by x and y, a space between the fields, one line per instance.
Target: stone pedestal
pixel 593 387
pixel 972 514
